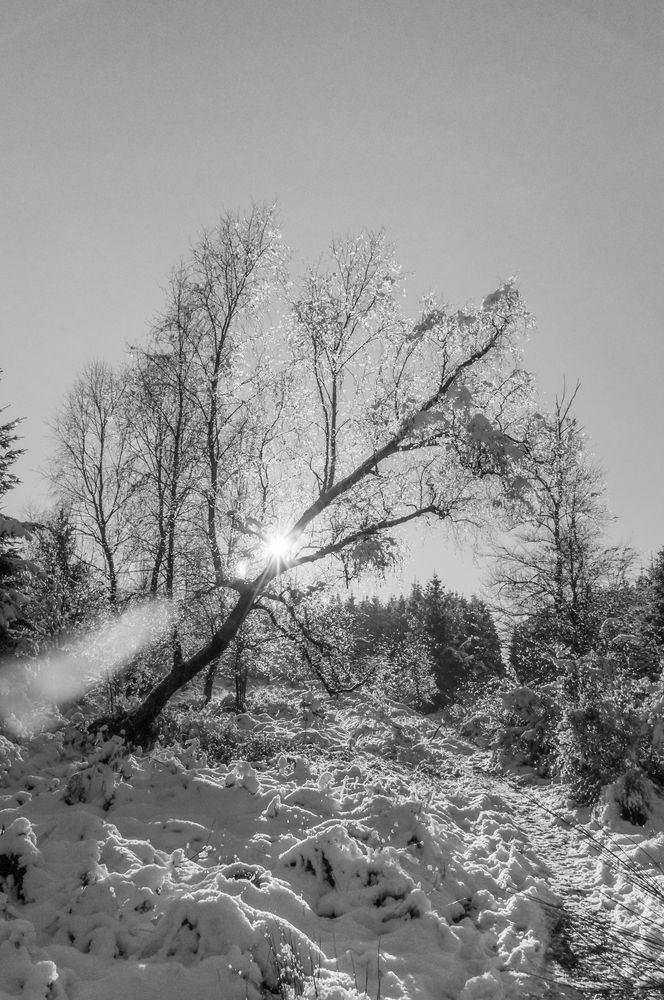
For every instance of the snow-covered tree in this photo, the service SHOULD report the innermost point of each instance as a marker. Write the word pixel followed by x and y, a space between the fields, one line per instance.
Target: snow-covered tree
pixel 229 282
pixel 368 422
pixel 654 613
pixel 556 561
pixel 65 594
pixel 13 533
pixel 165 431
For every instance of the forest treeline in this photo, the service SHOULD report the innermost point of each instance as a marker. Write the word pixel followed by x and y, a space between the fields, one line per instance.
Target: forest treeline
pixel 457 635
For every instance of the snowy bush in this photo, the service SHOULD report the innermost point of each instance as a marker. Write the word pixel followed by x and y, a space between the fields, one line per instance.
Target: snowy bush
pixel 9 753
pixel 477 710
pixel 218 735
pixel 597 724
pixel 603 730
pixel 518 722
pixel 18 855
pixel 633 794
pixel 528 725
pixel 405 674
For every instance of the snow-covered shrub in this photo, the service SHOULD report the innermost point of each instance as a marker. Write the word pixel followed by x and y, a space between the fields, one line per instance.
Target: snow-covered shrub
pixel 477 710
pixel 277 699
pixel 18 854
pixel 603 730
pixel 633 794
pixel 339 873
pixel 217 735
pixel 405 674
pixel 527 725
pixel 91 784
pixel 595 725
pixel 9 753
pixel 20 974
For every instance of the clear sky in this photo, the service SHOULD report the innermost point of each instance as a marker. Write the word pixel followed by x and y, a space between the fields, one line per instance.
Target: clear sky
pixel 488 137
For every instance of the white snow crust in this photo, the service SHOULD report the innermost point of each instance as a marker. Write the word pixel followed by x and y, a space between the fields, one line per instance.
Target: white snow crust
pixel 331 874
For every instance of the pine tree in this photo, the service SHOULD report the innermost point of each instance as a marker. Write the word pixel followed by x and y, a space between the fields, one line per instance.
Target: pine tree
pixel 533 645
pixel 482 641
pixel 435 621
pixel 12 564
pixel 655 612
pixel 64 595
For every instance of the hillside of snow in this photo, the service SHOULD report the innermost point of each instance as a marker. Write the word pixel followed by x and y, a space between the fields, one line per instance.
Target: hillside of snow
pixel 374 860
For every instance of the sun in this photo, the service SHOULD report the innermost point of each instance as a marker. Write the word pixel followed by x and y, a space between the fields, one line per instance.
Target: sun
pixel 278 546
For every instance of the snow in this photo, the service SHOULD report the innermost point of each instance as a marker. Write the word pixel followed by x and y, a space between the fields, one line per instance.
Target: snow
pixel 394 869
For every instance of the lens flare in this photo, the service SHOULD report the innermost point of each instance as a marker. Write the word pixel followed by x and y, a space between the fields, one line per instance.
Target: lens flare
pixel 59 676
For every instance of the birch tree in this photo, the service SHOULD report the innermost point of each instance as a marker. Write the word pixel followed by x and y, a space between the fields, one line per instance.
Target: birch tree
pixel 555 560
pixel 370 422
pixel 165 432
pixel 92 467
pixel 233 270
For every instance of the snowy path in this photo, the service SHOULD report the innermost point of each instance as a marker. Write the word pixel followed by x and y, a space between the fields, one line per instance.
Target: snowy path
pixel 569 869
pixel 545 833
pixel 539 809
pixel 590 956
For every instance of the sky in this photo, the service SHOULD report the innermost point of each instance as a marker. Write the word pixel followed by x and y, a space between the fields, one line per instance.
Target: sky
pixel 488 137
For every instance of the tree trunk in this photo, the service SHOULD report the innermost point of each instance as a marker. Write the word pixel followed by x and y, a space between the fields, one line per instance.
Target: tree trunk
pixel 110 567
pixel 217 564
pixel 138 723
pixel 213 461
pixel 208 687
pixel 240 673
pixel 156 566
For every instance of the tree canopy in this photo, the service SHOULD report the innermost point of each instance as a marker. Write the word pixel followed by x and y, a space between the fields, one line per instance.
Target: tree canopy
pixel 269 428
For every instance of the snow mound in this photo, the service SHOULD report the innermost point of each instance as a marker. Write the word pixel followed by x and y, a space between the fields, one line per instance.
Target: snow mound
pixel 333 874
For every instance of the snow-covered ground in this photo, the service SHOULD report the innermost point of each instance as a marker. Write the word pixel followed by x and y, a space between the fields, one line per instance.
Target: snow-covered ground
pixel 379 860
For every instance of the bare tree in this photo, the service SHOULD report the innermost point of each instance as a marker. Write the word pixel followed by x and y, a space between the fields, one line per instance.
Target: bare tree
pixel 383 423
pixel 556 557
pixel 92 467
pixel 165 434
pixel 233 271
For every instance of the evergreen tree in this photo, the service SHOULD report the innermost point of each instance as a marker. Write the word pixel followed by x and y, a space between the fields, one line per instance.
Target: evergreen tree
pixel 654 615
pixel 13 566
pixel 435 621
pixel 532 649
pixel 456 636
pixel 482 642
pixel 416 599
pixel 65 594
